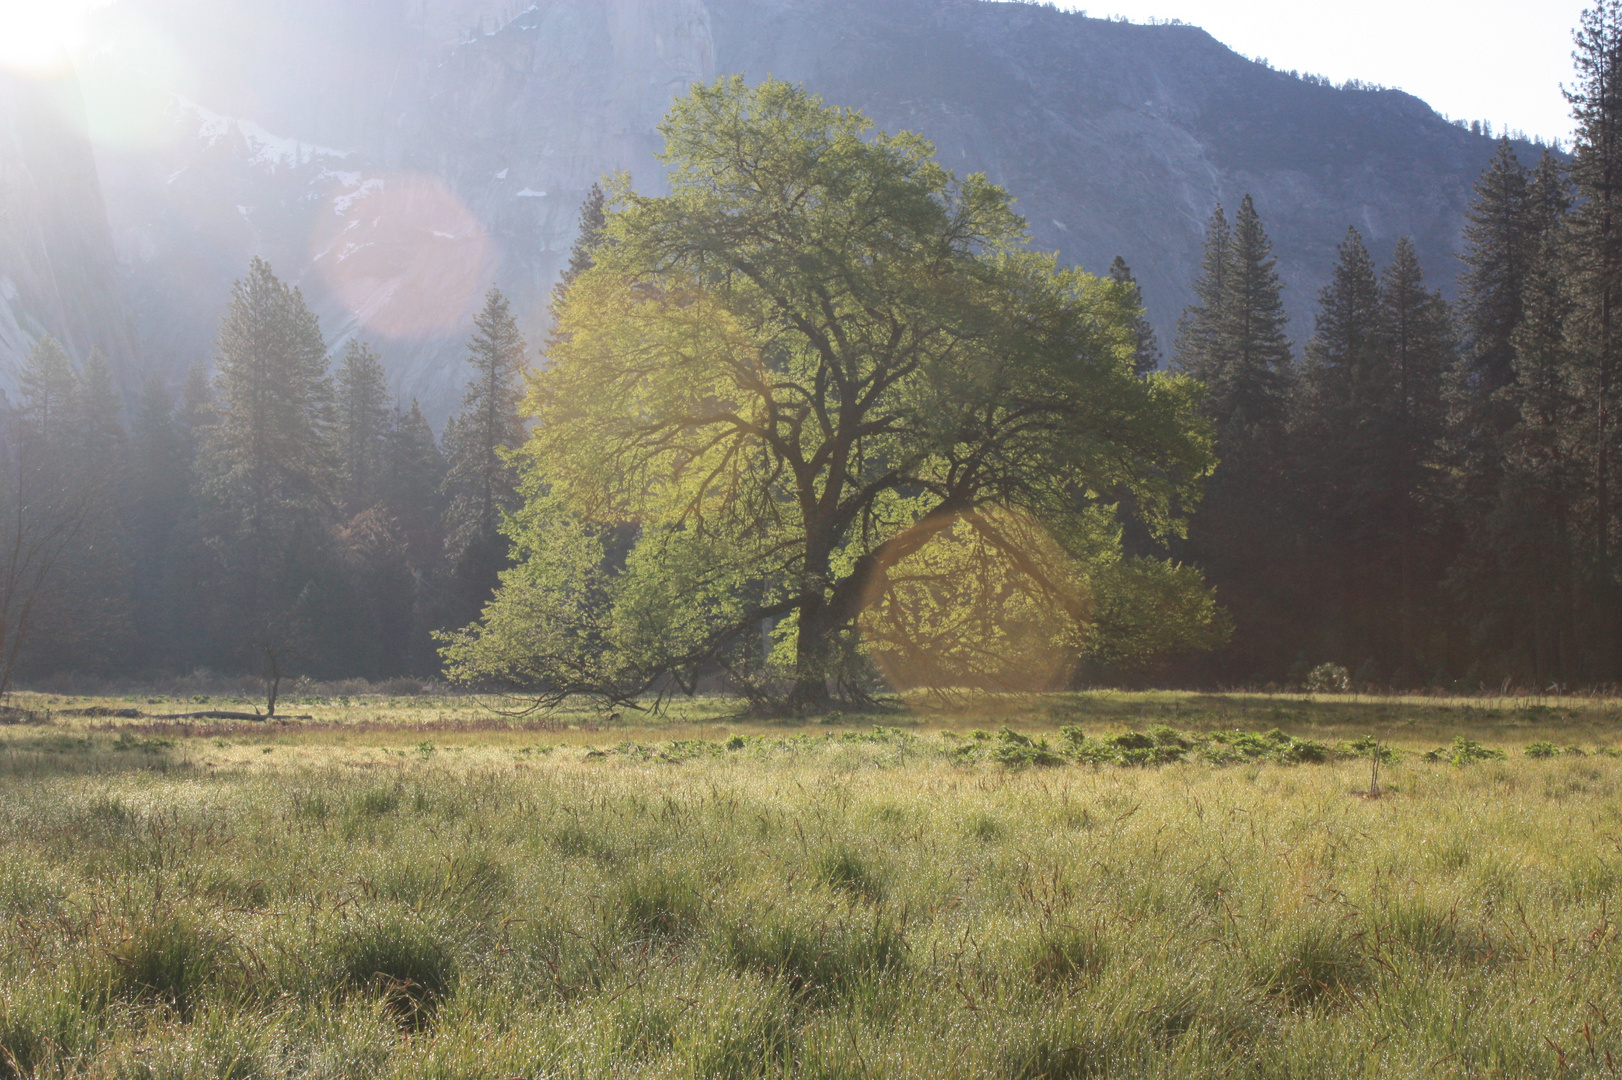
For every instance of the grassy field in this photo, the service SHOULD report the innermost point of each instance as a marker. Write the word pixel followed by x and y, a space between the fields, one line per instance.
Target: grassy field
pixel 1085 885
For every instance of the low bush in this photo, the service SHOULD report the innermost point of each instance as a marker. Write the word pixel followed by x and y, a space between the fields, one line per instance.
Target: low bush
pixel 407 961
pixel 174 959
pixel 1465 752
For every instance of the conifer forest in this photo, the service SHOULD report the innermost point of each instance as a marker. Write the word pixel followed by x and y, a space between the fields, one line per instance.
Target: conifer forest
pixel 1412 492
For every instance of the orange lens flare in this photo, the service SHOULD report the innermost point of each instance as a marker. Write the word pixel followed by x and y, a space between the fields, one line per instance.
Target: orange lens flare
pixel 404 255
pixel 989 602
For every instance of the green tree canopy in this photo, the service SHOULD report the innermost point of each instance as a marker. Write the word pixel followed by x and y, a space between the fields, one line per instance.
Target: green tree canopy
pixel 818 354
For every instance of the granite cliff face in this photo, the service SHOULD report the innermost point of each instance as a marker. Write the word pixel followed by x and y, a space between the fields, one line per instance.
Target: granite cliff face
pixel 57 271
pixel 396 157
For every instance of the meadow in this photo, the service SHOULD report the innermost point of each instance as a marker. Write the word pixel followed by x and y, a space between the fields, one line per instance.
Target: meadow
pixel 1109 885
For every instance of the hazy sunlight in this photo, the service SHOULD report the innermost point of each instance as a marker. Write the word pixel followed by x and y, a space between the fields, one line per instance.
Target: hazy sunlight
pixel 36 37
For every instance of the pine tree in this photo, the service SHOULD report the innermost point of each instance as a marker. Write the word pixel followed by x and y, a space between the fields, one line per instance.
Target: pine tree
pixel 1499 234
pixel 1146 357
pixel 267 470
pixel 413 475
pixel 414 471
pixel 1243 533
pixel 49 385
pixel 1337 460
pixel 1198 329
pixel 1533 611
pixel 479 483
pixel 270 448
pixel 1419 346
pixel 592 232
pixel 1596 264
pixel 158 487
pixel 363 428
pixel 1252 348
pixel 73 440
pixel 98 407
pixel 1341 379
pixel 99 600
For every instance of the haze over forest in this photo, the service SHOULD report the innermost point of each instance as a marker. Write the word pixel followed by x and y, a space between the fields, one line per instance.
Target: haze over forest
pixel 402 197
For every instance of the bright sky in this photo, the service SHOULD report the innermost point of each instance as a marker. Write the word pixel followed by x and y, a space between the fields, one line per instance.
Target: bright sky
pixel 1496 60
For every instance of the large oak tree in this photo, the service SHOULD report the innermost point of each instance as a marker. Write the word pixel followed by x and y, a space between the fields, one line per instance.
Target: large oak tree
pixel 820 353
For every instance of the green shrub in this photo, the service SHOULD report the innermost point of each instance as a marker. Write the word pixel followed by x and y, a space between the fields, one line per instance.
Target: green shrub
pixel 1329 679
pixel 1162 735
pixel 1131 740
pixel 1544 749
pixel 1465 752
pixel 1019 751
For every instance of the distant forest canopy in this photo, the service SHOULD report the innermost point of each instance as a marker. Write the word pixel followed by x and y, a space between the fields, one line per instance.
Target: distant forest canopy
pixel 1424 494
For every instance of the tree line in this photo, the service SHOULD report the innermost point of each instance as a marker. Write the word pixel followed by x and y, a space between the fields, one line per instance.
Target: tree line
pixel 283 514
pixel 1428 494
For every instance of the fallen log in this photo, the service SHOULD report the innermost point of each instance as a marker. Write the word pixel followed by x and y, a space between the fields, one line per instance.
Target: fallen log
pixel 216 714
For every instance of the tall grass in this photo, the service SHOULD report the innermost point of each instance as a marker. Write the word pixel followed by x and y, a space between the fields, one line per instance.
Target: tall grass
pixel 881 905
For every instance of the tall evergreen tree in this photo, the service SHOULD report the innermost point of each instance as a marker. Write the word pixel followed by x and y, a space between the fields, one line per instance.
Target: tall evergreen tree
pixel 267 471
pixel 1198 330
pixel 49 385
pixel 1419 341
pixel 1531 615
pixel 1499 236
pixel 99 599
pixel 1146 356
pixel 593 229
pixel 414 473
pixel 480 484
pixel 1337 458
pixel 413 476
pixel 73 435
pixel 1254 351
pixel 363 427
pixel 1595 258
pixel 1234 341
pixel 98 410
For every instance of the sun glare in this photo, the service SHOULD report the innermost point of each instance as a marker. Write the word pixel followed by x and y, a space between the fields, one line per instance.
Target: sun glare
pixel 37 36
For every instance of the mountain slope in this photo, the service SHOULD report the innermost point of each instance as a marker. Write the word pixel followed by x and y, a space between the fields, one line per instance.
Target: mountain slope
pixel 395 158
